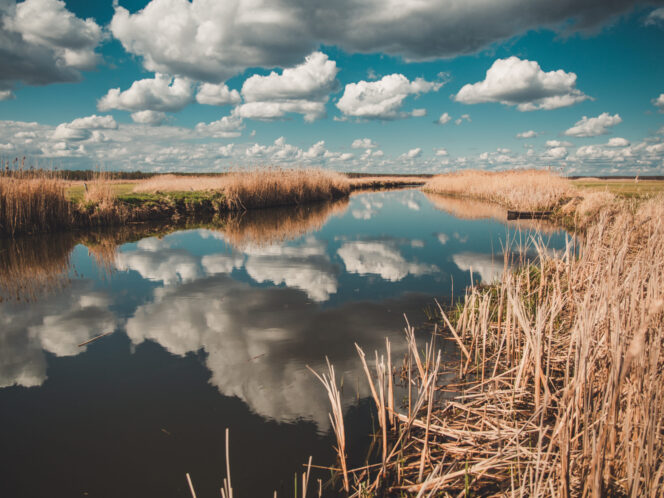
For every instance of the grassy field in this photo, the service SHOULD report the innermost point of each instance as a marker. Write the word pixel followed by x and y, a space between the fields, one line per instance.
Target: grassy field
pixel 623 188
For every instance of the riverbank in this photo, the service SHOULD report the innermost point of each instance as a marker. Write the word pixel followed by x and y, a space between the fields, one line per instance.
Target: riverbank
pixel 559 370
pixel 39 202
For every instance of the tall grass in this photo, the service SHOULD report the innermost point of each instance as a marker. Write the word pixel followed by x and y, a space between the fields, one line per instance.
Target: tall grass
pixel 31 200
pixel 524 190
pixel 560 373
pixel 259 188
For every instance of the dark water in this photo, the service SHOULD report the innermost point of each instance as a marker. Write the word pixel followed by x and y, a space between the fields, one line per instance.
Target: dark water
pixel 213 328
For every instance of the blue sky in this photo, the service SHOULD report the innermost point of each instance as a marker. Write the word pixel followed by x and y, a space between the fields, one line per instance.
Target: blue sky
pixel 383 86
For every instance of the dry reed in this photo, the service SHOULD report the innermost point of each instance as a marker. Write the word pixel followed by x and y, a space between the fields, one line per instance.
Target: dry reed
pixel 524 190
pixel 560 369
pixel 31 200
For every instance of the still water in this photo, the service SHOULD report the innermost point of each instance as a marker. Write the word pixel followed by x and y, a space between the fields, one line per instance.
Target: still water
pixel 213 327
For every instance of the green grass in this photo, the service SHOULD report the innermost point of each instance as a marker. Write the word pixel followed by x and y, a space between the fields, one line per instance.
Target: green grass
pixel 76 194
pixel 624 188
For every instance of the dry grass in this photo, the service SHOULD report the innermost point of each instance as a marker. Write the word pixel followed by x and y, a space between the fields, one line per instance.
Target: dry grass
pixel 560 370
pixel 260 188
pixel 380 182
pixel 523 190
pixel 31 201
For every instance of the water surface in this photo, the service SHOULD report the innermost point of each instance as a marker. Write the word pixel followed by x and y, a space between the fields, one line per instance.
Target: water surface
pixel 213 327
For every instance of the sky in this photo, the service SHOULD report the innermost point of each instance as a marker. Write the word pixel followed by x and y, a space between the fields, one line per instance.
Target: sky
pixel 374 86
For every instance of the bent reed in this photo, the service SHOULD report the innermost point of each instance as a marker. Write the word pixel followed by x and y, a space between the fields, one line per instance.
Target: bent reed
pixel 560 372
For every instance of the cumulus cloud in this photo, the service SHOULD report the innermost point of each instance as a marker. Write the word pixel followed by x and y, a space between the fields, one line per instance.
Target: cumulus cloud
pixel 226 127
pixel 211 94
pixel 617 142
pixel 303 89
pixel 523 83
pixel 441 151
pixel 364 143
pixel 81 128
pixel 382 99
pixel 161 93
pixel 412 153
pixel 6 95
pixel 527 134
pixel 558 143
pixel 211 41
pixel 151 118
pixel 592 127
pixel 489 268
pixel 659 101
pixel 444 118
pixel 42 42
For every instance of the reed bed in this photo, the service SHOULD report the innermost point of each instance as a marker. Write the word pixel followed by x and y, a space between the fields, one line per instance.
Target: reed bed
pixel 384 181
pixel 560 372
pixel 260 188
pixel 31 200
pixel 523 190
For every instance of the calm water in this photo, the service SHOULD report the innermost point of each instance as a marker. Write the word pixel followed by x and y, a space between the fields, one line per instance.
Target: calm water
pixel 213 328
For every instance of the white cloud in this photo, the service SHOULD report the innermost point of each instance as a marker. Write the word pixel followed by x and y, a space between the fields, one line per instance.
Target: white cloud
pixel 170 266
pixel 6 95
pixel 211 94
pixel 161 93
pixel 41 42
pixel 558 143
pixel 363 143
pixel 556 152
pixel 151 118
pixel 412 153
pixel 441 151
pixel 523 83
pixel 617 142
pixel 592 127
pixel 655 17
pixel 418 113
pixel 527 134
pixel 659 101
pixel 303 89
pixel 490 269
pixel 444 118
pixel 209 40
pixel 81 128
pixel 226 127
pixel 462 118
pixel 384 98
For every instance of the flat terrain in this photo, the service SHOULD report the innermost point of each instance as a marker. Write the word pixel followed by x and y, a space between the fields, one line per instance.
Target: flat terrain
pixel 623 188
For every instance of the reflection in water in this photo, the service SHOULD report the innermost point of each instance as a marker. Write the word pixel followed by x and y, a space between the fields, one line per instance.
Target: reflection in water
pixel 257 340
pixel 382 259
pixel 490 268
pixel 275 225
pixel 214 325
pixel 57 324
pixel 469 209
pixel 33 266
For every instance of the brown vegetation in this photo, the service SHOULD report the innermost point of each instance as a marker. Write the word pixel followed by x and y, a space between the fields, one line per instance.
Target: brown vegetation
pixel 31 201
pixel 524 190
pixel 560 368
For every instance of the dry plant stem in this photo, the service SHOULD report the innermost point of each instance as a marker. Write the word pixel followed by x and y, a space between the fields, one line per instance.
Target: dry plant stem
pixel 336 417
pixel 227 490
pixel 561 389
pixel 191 486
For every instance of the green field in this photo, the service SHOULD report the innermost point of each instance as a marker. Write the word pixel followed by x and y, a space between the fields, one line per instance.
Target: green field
pixel 76 193
pixel 623 188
